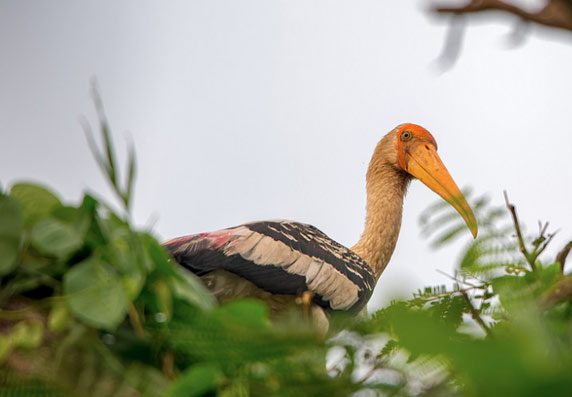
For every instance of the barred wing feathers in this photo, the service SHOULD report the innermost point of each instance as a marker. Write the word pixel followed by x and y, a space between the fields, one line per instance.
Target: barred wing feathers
pixel 282 257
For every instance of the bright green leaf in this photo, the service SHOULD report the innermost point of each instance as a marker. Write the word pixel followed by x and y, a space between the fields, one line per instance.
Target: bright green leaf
pixel 37 201
pixel 53 237
pixel 95 294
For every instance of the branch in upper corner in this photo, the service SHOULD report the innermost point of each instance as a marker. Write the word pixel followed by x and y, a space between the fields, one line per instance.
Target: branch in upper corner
pixel 555 14
pixel 453 43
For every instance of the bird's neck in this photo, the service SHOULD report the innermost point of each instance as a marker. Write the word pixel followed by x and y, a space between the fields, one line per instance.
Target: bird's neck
pixel 386 188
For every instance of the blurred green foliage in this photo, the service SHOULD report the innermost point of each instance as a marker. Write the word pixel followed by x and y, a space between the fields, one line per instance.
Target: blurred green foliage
pixel 91 306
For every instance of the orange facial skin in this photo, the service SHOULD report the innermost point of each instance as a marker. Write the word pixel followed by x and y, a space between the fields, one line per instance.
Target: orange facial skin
pixel 417 155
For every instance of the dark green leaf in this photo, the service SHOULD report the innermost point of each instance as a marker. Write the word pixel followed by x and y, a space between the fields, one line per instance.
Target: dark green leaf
pixel 164 297
pixel 196 381
pixel 11 229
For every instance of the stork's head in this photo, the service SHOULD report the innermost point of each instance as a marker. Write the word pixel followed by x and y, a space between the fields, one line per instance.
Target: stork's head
pixel 412 149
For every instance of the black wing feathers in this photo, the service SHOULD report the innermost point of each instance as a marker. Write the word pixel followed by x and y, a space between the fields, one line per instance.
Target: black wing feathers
pixel 282 257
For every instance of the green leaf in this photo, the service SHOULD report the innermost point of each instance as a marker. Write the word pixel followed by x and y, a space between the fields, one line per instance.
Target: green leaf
pixel 11 229
pixel 549 274
pixel 164 297
pixel 250 312
pixel 513 291
pixel 185 285
pixel 130 176
pixel 417 331
pixel 27 334
pixel 36 201
pixel 389 348
pixel 158 256
pixel 59 318
pixel 449 310
pixel 5 347
pixel 189 287
pixel 196 381
pixel 95 294
pixel 53 237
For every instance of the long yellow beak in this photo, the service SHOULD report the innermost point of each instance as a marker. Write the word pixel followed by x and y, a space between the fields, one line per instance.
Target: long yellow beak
pixel 424 164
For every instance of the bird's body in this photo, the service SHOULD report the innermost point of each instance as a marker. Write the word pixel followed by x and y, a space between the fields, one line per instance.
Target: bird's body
pixel 283 257
pixel 278 261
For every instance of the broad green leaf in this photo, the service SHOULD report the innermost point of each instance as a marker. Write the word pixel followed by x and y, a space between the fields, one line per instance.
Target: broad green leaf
pixel 199 380
pixel 11 229
pixel 513 291
pixel 189 287
pixel 66 214
pixel 36 200
pixel 95 294
pixel 53 237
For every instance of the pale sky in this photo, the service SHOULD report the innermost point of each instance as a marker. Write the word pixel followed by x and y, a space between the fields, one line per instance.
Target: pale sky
pixel 249 110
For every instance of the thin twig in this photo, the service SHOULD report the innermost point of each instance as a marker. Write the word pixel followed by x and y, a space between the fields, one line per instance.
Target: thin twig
pixel 475 314
pixel 444 294
pixel 521 245
pixel 135 321
pixel 539 250
pixel 463 281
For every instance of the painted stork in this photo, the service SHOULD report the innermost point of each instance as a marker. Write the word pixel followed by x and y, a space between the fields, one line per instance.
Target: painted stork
pixel 278 261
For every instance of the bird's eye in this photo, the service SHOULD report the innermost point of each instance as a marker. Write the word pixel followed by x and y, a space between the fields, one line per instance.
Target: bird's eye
pixel 406 135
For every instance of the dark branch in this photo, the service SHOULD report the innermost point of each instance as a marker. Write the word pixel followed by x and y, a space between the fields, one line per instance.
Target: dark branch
pixel 475 313
pixel 561 257
pixel 521 245
pixel 555 14
pixel 561 291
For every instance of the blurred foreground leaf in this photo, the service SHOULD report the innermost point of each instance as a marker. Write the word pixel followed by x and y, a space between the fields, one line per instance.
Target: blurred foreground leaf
pixel 11 229
pixel 96 294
